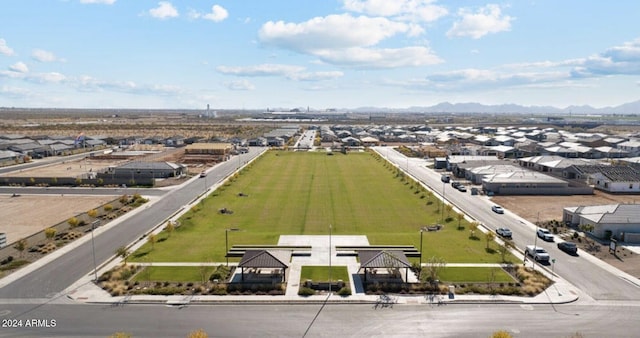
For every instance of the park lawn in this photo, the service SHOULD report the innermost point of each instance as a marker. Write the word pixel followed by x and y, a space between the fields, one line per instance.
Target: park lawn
pixel 302 193
pixel 321 273
pixel 474 275
pixel 174 273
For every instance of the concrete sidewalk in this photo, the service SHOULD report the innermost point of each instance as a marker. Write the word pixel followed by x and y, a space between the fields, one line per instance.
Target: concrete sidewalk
pixel 86 291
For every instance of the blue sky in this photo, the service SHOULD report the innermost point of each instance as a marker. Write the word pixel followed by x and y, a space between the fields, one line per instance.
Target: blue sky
pixel 259 54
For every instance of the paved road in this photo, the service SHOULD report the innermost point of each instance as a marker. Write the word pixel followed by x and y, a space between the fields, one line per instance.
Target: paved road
pixel 306 140
pixel 57 275
pixel 585 272
pixel 331 320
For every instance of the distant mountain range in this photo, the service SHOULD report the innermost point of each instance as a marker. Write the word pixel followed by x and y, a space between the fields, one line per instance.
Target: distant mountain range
pixel 472 107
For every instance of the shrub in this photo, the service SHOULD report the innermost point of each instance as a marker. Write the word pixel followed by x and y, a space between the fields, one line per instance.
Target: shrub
pixel 305 291
pixel 345 291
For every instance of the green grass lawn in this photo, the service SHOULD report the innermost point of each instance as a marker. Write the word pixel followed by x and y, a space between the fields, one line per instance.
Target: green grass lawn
pixel 296 193
pixel 174 273
pixel 321 273
pixel 474 275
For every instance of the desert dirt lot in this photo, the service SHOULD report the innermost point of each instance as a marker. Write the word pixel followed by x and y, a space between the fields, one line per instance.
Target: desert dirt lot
pixel 73 168
pixel 27 214
pixel 550 208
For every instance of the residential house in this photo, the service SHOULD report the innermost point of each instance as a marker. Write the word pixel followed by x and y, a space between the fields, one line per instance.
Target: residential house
pixel 609 178
pixel 619 221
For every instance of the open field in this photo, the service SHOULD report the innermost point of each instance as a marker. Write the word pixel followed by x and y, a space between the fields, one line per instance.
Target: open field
pixel 302 194
pixel 550 207
pixel 25 215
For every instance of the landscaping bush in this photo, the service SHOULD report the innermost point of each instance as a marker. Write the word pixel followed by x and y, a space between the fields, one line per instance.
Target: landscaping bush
pixel 345 291
pixel 305 291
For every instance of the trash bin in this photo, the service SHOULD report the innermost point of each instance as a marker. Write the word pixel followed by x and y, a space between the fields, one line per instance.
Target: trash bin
pixel 452 291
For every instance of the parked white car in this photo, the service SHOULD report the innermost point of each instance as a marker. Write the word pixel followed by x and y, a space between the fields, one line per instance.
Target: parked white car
pixel 537 253
pixel 545 234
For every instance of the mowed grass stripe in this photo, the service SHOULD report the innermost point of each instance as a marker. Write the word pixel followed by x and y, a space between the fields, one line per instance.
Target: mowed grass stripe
pixel 292 193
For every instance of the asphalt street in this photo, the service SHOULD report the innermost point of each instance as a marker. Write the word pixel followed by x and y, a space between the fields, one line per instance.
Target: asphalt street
pixel 54 277
pixel 586 272
pixel 318 320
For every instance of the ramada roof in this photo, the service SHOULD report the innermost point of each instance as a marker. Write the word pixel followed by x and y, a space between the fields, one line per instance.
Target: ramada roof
pixel 383 259
pixel 273 259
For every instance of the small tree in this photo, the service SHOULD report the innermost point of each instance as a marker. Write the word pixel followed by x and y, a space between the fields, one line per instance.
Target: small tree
pixel 449 209
pixel 490 236
pixel 169 228
pixel 433 268
pixel 92 213
pixel 123 253
pixel 473 227
pixel 587 227
pixel 152 239
pixel 107 207
pixel 502 250
pixel 204 271
pixel 73 222
pixel 199 333
pixel 21 245
pixel 121 335
pixel 501 334
pixel 460 217
pixel 50 233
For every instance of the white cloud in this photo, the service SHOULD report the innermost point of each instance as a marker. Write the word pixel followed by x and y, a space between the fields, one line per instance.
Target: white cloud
pixel 164 10
pixel 19 67
pixel 414 10
pixel 4 49
pixel 487 20
pixel 315 76
pixel 617 60
pixel 380 58
pixel 260 70
pixel 218 13
pixel 296 73
pixel 333 31
pixel 13 92
pixel 347 40
pixel 52 77
pixel 44 56
pixel 106 2
pixel 240 85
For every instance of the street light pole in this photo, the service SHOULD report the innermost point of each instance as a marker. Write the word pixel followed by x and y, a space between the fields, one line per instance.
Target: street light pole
pixel 329 259
pixel 421 231
pixel 444 185
pixel 226 242
pixel 93 248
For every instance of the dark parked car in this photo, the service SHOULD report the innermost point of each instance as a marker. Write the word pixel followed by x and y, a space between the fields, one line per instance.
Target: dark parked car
pixel 568 247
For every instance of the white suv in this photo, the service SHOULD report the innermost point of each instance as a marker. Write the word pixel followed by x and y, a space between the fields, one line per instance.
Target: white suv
pixel 545 234
pixel 537 253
